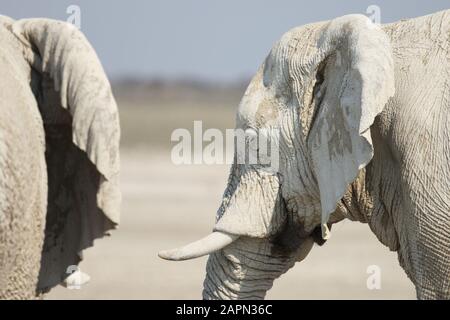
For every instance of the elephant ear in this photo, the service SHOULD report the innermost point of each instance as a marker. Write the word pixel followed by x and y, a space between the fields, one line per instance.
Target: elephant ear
pixel 358 79
pixel 82 142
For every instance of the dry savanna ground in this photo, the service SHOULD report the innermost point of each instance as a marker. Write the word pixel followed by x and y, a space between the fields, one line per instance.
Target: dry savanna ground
pixel 165 205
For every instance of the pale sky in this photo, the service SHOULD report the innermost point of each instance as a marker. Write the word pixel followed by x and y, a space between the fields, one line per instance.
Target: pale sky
pixel 204 39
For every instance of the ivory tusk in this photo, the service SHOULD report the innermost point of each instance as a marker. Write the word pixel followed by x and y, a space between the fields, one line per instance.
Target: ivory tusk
pixel 211 243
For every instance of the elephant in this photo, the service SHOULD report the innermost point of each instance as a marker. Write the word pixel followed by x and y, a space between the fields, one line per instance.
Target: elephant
pixel 59 154
pixel 363 115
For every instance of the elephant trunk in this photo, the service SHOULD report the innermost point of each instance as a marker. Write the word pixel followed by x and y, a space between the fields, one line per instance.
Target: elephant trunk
pixel 254 209
pixel 247 268
pixel 227 278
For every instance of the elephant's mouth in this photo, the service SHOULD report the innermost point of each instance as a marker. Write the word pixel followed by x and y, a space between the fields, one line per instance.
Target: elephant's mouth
pixel 294 234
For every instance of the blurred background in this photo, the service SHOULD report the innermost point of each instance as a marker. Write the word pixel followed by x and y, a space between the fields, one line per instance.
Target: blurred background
pixel 173 62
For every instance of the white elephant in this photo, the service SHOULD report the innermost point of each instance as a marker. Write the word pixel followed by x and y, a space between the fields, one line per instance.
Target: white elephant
pixel 363 112
pixel 59 154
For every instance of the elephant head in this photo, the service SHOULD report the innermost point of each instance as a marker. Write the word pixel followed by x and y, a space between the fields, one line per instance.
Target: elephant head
pixel 82 133
pixel 320 88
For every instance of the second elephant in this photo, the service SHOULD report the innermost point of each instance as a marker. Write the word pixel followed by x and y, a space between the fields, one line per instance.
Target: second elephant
pixel 59 154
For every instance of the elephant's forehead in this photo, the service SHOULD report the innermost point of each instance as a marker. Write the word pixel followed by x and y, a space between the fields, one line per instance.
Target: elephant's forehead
pixel 272 84
pixel 258 107
pixel 260 102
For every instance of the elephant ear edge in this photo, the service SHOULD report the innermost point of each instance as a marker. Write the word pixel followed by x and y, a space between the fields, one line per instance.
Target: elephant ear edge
pixel 64 53
pixel 85 188
pixel 359 81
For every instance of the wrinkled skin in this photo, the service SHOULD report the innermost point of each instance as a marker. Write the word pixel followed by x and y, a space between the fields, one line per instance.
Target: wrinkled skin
pixel 59 161
pixel 363 114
